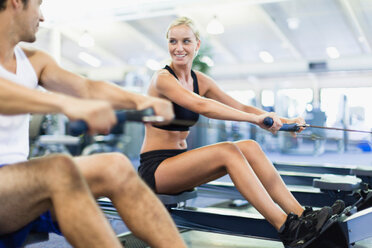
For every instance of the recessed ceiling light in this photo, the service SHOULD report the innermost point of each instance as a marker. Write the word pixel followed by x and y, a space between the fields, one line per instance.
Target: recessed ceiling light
pixel 293 23
pixel 332 52
pixel 90 59
pixel 153 64
pixel 266 57
pixel 86 40
pixel 215 26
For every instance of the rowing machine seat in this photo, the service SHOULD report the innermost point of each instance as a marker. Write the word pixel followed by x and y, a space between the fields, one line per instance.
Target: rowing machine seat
pixel 169 200
pixel 362 171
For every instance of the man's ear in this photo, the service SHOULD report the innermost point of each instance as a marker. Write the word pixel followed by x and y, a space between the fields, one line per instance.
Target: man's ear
pixel 16 3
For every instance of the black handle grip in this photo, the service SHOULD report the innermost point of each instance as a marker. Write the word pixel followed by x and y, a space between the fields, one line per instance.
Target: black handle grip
pixel 134 115
pixel 77 128
pixel 268 121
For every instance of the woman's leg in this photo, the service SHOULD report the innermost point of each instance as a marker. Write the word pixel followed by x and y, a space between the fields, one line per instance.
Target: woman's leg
pixel 195 167
pixel 269 176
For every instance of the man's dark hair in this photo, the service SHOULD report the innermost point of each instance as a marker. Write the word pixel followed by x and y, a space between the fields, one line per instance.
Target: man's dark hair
pixel 3 4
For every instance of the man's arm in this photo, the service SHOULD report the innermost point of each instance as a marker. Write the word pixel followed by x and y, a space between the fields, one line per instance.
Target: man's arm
pixel 54 78
pixel 17 99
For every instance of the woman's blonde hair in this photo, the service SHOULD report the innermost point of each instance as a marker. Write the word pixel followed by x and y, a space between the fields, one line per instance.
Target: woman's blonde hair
pixel 184 21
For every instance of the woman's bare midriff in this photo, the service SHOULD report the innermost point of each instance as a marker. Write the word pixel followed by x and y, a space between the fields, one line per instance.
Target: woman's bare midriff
pixel 159 139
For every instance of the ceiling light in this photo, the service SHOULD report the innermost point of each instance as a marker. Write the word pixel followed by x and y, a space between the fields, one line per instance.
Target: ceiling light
pixel 266 57
pixel 215 26
pixel 332 52
pixel 284 45
pixel 86 40
pixel 361 39
pixel 267 98
pixel 90 59
pixel 309 107
pixel 293 23
pixel 153 64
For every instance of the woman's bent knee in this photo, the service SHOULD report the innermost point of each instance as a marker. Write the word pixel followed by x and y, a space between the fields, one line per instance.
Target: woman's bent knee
pixel 230 147
pixel 248 145
pixel 251 143
pixel 228 151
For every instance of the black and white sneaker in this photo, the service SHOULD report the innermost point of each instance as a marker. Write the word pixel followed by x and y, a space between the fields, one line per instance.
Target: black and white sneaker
pixel 310 214
pixel 338 206
pixel 297 231
pixel 319 217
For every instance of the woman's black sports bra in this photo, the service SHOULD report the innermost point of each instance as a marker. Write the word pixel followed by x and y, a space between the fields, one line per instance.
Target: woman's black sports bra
pixel 180 112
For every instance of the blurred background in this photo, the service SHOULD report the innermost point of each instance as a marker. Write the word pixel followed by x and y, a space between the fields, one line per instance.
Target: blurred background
pixel 309 58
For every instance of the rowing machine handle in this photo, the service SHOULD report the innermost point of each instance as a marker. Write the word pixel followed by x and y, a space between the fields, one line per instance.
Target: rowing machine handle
pixel 77 128
pixel 268 121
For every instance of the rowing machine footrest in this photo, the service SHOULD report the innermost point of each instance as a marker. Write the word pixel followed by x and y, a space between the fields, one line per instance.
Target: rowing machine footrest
pixel 362 171
pixel 334 234
pixel 174 199
pixel 337 182
pixel 366 203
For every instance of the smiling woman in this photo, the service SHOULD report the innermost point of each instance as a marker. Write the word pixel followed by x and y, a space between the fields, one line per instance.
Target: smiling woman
pixel 183 41
pixel 169 168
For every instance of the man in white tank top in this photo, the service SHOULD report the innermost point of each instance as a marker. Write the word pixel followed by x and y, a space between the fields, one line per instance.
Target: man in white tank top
pixel 61 185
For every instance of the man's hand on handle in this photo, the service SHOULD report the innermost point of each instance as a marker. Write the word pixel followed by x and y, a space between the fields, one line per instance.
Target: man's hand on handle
pixel 99 115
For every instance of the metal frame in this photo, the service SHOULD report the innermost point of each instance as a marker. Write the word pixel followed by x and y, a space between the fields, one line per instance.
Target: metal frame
pixel 228 222
pixel 254 225
pixel 306 195
pixel 340 230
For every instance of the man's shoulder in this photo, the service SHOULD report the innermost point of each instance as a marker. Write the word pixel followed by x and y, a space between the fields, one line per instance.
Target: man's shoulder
pixel 33 52
pixel 38 58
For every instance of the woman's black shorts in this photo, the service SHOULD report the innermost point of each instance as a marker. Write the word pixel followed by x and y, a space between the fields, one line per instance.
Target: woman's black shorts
pixel 149 162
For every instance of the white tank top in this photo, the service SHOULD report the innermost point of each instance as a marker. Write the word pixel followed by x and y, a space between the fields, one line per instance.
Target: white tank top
pixel 14 145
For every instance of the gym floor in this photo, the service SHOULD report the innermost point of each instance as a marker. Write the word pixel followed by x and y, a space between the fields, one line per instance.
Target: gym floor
pixel 197 239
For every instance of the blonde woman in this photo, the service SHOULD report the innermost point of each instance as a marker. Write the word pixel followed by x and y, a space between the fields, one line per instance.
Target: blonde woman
pixel 169 168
